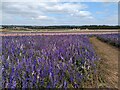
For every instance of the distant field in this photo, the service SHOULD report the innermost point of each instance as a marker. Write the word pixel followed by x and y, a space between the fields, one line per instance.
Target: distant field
pixel 6 32
pixel 58 30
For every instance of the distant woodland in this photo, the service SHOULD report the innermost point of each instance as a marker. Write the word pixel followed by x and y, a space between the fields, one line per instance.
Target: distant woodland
pixel 60 27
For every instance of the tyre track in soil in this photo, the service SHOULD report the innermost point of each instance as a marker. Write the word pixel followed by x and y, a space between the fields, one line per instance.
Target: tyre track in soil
pixel 108 64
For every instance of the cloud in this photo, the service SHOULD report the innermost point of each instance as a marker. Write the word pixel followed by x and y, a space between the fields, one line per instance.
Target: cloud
pixel 40 17
pixel 83 14
pixel 63 7
pixel 73 9
pixel 50 13
pixel 19 8
pixel 36 10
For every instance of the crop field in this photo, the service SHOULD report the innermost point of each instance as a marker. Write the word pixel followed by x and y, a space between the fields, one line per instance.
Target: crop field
pixel 55 61
pixel 110 38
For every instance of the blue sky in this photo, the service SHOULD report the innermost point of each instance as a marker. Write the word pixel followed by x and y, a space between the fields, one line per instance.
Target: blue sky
pixel 60 13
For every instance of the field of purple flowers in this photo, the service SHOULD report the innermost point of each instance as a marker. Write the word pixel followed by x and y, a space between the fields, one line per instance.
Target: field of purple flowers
pixel 112 39
pixel 47 61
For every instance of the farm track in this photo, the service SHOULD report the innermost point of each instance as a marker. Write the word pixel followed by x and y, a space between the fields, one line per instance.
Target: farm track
pixel 51 33
pixel 108 65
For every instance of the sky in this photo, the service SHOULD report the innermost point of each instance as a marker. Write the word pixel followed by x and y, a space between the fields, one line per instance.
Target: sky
pixel 59 13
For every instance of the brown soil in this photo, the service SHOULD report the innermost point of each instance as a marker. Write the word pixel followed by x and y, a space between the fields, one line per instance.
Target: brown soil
pixel 107 72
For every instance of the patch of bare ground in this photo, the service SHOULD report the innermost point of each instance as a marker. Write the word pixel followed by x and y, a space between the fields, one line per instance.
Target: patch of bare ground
pixel 107 71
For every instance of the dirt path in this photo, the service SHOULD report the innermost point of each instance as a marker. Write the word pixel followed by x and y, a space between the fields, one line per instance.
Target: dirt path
pixel 108 65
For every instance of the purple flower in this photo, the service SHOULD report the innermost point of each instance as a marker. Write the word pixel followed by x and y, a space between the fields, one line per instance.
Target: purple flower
pixel 46 61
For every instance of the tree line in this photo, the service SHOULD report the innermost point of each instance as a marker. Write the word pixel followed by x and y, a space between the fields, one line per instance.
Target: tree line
pixel 61 27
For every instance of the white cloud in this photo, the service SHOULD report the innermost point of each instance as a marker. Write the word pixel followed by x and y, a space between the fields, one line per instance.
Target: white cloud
pixel 40 17
pixel 73 9
pixel 41 9
pixel 49 12
pixel 83 14
pixel 19 8
pixel 63 7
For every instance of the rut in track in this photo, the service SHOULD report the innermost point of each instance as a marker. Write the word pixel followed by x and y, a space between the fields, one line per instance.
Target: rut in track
pixel 108 64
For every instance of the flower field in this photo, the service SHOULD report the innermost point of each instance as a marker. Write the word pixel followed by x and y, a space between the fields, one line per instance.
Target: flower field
pixel 110 38
pixel 47 61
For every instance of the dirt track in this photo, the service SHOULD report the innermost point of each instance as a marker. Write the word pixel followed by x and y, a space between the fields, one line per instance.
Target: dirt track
pixel 108 64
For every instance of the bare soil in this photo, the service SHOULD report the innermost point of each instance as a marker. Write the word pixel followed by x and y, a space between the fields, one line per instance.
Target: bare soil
pixel 107 73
